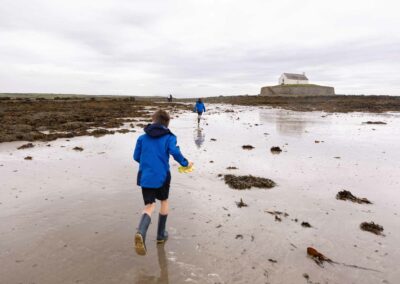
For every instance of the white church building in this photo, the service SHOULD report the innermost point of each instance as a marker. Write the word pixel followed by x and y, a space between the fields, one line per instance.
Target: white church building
pixel 293 79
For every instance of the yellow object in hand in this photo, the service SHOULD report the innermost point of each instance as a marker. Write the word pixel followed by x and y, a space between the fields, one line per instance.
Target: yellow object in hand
pixel 185 170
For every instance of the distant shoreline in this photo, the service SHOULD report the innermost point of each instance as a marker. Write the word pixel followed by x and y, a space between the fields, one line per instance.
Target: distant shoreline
pixel 334 103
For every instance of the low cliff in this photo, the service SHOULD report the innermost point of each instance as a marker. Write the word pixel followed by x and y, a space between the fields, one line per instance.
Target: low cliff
pixel 297 90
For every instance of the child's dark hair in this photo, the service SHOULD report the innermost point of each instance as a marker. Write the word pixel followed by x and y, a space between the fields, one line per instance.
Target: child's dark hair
pixel 161 117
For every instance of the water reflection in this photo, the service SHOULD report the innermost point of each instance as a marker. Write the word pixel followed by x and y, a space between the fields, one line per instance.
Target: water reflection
pixel 163 264
pixel 287 123
pixel 199 137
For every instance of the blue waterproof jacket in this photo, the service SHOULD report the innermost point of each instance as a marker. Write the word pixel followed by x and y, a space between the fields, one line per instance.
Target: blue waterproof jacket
pixel 199 107
pixel 152 153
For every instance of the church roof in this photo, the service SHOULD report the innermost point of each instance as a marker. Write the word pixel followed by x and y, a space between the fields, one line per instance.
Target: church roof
pixel 295 76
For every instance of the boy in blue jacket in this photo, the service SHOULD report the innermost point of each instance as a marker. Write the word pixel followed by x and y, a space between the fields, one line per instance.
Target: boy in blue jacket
pixel 199 108
pixel 152 153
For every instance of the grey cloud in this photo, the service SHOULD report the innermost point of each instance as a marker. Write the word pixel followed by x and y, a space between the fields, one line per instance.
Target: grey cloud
pixel 120 45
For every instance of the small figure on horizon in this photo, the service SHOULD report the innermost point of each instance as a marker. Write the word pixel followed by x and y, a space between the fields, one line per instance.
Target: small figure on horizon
pixel 170 98
pixel 199 108
pixel 152 152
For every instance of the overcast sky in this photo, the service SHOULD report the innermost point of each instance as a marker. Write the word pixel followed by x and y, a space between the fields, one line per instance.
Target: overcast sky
pixel 197 47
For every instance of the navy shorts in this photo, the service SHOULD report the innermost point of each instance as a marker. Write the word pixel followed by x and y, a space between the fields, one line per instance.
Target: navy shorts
pixel 151 194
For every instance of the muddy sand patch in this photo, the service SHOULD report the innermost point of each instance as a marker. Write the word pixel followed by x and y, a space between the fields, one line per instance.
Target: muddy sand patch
pixel 347 195
pixel 247 182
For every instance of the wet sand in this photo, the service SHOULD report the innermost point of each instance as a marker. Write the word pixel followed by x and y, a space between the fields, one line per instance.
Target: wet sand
pixel 69 216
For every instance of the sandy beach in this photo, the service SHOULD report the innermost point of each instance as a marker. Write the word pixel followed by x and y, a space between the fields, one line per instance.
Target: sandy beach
pixel 69 216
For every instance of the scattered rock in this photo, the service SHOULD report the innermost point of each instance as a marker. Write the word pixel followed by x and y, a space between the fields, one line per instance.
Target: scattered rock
pixel 246 182
pixel 317 141
pixel 213 139
pixel 374 122
pixel 371 227
pixel 276 150
pixel 318 257
pixel 305 225
pixel 347 195
pixel 26 146
pixel 240 203
pixel 272 260
pixel 247 147
pixel 239 236
pixel 337 157
pixel 219 226
pixel 28 158
pixel 80 149
pixel 211 162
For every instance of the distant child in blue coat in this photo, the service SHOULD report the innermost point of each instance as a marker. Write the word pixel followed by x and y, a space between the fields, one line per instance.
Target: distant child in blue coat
pixel 199 108
pixel 152 153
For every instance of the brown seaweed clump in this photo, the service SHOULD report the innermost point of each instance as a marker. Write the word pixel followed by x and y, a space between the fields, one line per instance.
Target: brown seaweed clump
pixel 374 122
pixel 305 225
pixel 247 147
pixel 123 131
pixel 26 146
pixel 246 182
pixel 79 149
pixel 276 150
pixel 30 119
pixel 101 132
pixel 241 204
pixel 318 257
pixel 371 227
pixel 231 168
pixel 347 195
pixel 29 158
pixel 278 215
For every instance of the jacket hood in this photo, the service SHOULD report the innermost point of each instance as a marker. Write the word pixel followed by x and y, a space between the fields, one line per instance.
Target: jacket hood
pixel 156 130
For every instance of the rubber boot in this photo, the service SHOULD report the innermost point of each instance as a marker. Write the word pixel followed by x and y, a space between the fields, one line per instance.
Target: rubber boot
pixel 140 236
pixel 162 234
